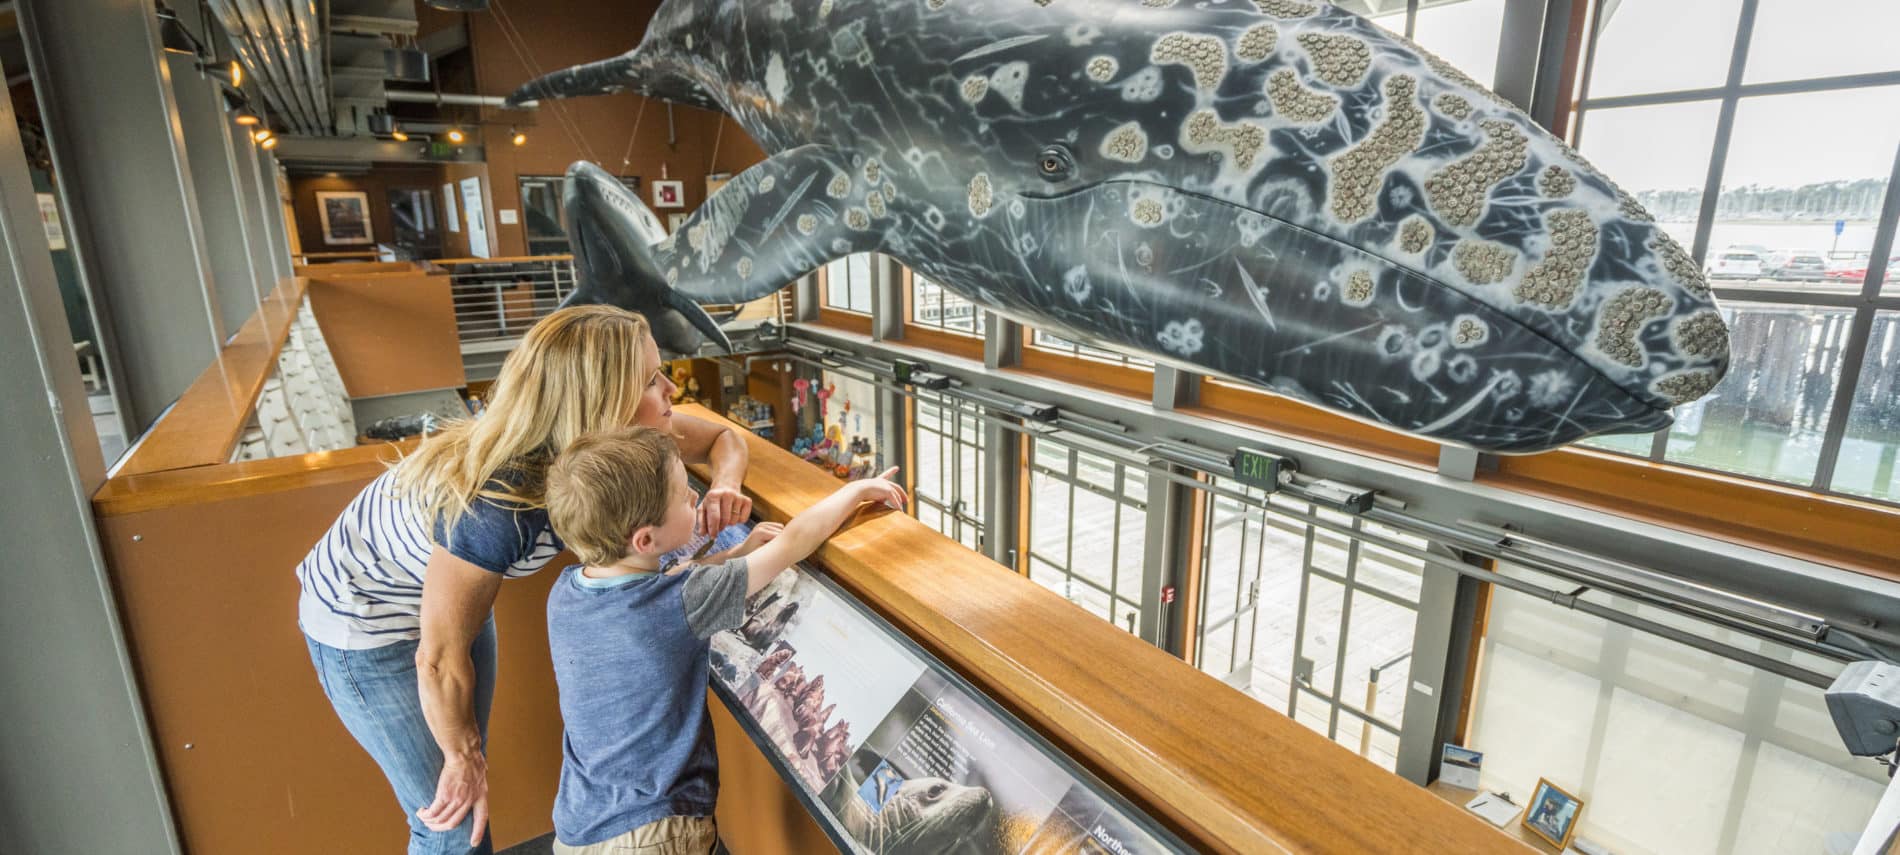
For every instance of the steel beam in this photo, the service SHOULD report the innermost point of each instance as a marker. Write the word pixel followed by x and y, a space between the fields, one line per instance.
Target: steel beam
pixel 1867 606
pixel 213 164
pixel 249 183
pixel 119 152
pixel 80 773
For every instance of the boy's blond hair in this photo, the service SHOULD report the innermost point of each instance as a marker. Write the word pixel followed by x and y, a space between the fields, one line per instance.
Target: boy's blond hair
pixel 605 486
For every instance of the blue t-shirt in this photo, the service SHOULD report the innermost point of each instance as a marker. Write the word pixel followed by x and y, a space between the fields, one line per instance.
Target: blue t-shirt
pixel 631 658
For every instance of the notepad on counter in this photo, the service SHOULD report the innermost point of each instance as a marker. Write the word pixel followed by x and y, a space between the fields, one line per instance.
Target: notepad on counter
pixel 1495 809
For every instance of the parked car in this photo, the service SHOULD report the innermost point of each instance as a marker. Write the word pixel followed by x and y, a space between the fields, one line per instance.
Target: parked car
pixel 1855 271
pixel 1735 264
pixel 1796 265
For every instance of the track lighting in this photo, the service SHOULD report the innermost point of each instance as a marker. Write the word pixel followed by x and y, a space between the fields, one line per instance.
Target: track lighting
pixel 268 143
pixel 520 138
pixel 246 118
pixel 456 136
pixel 398 135
pixel 261 135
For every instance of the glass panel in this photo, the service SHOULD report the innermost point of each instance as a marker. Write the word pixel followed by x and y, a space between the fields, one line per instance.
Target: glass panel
pixel 1767 417
pixel 1798 208
pixel 1047 341
pixel 1648 46
pixel 1464 33
pixel 848 283
pixel 1380 637
pixel 1795 40
pixel 1638 444
pixel 1616 721
pixel 1869 462
pixel 1666 179
pixel 932 305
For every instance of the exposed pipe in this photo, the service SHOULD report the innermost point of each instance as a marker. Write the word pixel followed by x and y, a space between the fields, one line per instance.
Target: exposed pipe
pixel 251 55
pixel 282 42
pixel 454 99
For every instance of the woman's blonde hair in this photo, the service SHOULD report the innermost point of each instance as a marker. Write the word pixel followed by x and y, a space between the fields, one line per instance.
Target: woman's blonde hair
pixel 579 370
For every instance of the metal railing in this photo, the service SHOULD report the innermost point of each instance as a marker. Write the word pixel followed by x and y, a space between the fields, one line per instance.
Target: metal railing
pixel 498 299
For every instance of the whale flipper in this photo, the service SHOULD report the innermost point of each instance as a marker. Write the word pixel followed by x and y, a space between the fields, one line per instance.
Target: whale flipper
pixel 775 222
pixel 624 73
pixel 612 235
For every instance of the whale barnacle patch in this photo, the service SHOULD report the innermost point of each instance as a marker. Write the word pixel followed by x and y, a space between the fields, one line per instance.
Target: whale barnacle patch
pixel 1204 55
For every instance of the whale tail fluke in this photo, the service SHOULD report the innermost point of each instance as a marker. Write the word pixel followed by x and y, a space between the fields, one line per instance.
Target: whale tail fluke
pixel 613 233
pixel 628 72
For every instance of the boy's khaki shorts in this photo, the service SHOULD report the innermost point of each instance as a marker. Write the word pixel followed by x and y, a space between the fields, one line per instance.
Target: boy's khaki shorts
pixel 674 835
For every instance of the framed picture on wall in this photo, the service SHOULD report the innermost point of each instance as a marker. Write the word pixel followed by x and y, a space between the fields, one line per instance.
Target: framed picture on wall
pixel 1553 813
pixel 669 194
pixel 345 216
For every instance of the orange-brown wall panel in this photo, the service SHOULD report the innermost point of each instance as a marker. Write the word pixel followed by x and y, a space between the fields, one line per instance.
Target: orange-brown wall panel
pixel 390 333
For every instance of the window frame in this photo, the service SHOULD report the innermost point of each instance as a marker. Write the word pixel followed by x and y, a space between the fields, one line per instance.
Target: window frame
pixel 957 342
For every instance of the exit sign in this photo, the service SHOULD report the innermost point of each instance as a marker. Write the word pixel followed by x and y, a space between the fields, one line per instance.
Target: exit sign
pixel 1258 468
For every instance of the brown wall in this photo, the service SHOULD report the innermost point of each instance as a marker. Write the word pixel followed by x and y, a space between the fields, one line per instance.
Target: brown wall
pixel 597 128
pixel 253 757
pixel 390 333
pixel 377 183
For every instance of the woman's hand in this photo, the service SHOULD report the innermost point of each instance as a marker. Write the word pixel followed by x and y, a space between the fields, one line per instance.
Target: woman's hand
pixel 721 507
pixel 880 489
pixel 462 788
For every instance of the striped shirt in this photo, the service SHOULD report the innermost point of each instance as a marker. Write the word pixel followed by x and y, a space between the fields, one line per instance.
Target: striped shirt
pixel 362 583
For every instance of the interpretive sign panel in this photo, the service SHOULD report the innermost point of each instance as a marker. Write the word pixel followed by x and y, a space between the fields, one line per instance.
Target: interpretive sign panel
pixel 892 751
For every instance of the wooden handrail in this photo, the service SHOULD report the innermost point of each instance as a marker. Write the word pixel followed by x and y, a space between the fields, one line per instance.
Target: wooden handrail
pixel 511 259
pixel 1203 757
pixel 130 494
pixel 204 424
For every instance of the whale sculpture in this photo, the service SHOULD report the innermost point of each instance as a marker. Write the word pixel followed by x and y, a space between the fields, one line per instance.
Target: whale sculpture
pixel 1274 191
pixel 610 229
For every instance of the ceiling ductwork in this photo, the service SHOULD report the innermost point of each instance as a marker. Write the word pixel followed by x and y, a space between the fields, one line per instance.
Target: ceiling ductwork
pixel 282 42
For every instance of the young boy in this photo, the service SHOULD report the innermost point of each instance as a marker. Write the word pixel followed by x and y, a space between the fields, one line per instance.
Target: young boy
pixel 630 642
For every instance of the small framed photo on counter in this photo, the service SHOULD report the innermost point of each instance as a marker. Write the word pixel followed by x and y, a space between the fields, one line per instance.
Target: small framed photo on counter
pixel 1553 813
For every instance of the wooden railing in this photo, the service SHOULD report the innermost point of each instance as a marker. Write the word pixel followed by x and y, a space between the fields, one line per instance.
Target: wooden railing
pixel 1225 773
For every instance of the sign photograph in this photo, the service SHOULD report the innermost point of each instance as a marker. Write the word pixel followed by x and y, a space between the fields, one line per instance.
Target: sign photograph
pixel 345 216
pixel 892 751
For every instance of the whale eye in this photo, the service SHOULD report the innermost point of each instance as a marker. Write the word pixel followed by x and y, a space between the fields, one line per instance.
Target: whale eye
pixel 1056 163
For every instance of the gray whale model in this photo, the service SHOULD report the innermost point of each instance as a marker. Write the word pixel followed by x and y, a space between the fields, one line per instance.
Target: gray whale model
pixel 1274 191
pixel 610 230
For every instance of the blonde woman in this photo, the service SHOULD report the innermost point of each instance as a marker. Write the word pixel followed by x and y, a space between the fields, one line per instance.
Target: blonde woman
pixel 397 597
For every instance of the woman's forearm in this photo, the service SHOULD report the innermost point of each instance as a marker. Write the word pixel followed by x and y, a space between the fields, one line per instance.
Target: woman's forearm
pixel 728 460
pixel 446 681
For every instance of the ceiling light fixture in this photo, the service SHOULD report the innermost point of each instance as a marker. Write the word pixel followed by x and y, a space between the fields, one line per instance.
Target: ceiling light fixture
pixel 261 134
pixel 456 136
pixel 520 138
pixel 246 118
pixel 268 143
pixel 398 135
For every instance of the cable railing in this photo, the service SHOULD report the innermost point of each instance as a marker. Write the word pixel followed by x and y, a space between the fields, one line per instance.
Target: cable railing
pixel 498 299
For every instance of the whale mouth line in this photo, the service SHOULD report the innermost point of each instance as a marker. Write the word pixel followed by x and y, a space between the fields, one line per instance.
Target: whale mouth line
pixel 1477 306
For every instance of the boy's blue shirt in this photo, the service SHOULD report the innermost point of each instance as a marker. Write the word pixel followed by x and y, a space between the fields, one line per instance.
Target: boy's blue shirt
pixel 631 657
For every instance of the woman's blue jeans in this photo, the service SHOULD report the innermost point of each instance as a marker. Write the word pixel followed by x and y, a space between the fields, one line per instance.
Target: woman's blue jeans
pixel 375 693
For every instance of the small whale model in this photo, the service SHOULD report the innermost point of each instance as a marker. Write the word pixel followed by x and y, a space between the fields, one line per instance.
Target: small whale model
pixel 1273 191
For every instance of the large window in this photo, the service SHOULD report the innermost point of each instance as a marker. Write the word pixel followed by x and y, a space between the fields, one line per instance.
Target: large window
pixel 848 283
pixel 1769 153
pixel 1087 529
pixel 936 307
pixel 948 449
pixel 1309 621
pixel 1057 344
pixel 1672 749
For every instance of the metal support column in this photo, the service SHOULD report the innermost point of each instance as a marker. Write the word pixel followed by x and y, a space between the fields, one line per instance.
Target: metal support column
pixel 805 295
pixel 80 773
pixel 1003 535
pixel 1447 608
pixel 277 225
pixel 251 193
pixel 1170 526
pixel 213 172
pixel 106 96
pixel 887 299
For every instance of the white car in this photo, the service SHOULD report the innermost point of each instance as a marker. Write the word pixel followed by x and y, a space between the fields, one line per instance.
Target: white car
pixel 1735 264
